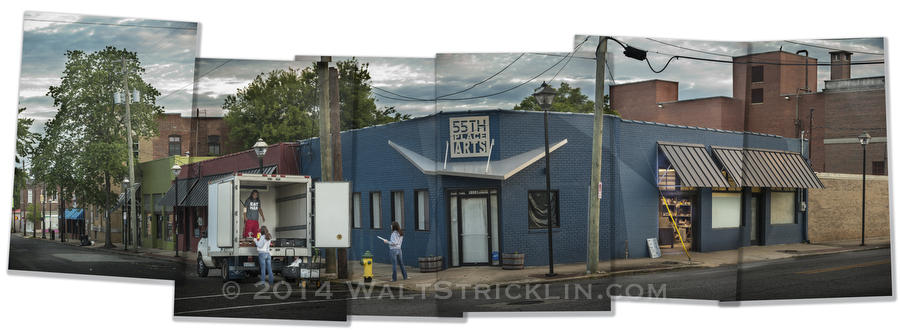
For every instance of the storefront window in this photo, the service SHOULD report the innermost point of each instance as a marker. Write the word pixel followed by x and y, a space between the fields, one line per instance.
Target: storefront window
pixel 726 210
pixel 537 209
pixel 782 208
pixel 397 207
pixel 375 210
pixel 356 216
pixel 421 210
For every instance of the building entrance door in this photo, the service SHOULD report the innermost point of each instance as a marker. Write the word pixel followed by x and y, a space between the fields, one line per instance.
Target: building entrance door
pixel 474 232
pixel 473 227
pixel 754 218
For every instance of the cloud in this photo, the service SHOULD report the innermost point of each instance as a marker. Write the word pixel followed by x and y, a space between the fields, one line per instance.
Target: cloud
pixel 166 50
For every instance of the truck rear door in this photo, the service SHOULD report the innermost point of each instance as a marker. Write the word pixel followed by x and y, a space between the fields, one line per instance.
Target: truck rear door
pixel 225 214
pixel 332 214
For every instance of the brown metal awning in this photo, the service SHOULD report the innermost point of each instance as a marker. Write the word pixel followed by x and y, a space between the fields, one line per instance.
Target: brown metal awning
pixel 693 164
pixel 766 168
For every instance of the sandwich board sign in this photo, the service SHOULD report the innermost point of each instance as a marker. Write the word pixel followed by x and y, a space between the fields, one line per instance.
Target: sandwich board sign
pixel 653 246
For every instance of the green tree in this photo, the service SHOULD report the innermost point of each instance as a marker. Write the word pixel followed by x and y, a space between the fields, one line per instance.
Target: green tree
pixel 84 148
pixel 25 140
pixel 282 105
pixel 568 99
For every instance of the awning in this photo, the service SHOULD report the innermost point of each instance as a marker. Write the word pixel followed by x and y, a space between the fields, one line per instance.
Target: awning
pixel 496 169
pixel 74 214
pixel 693 164
pixel 767 168
pixel 123 199
pixel 194 192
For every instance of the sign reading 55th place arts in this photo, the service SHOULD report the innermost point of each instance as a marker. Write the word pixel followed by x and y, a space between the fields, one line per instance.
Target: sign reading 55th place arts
pixel 470 136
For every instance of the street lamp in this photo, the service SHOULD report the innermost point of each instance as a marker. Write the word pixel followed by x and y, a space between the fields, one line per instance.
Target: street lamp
pixel 544 96
pixel 863 141
pixel 126 224
pixel 260 148
pixel 176 169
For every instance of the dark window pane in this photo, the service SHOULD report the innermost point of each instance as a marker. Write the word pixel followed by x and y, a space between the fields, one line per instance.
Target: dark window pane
pixel 537 209
pixel 878 167
pixel 756 95
pixel 174 145
pixel 756 74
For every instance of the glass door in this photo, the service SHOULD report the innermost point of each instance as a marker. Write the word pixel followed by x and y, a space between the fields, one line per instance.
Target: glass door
pixel 474 230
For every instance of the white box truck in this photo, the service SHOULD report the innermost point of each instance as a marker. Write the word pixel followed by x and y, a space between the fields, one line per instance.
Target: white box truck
pixel 299 216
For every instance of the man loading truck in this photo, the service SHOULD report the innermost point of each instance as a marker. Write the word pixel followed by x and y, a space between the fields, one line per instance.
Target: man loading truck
pixel 252 214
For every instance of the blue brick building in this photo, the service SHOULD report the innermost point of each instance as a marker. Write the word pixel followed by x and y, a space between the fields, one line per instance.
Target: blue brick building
pixel 469 186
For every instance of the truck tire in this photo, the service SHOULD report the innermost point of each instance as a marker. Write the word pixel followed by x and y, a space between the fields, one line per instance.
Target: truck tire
pixel 202 270
pixel 223 266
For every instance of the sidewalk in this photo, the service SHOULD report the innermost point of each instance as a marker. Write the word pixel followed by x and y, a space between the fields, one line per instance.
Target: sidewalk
pixel 470 276
pixel 119 248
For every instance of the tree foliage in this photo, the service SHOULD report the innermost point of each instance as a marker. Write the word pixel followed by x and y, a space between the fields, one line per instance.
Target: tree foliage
pixel 25 140
pixel 84 146
pixel 282 105
pixel 568 99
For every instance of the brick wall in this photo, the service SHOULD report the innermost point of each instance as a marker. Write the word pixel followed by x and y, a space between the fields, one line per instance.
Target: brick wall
pixel 835 212
pixel 174 124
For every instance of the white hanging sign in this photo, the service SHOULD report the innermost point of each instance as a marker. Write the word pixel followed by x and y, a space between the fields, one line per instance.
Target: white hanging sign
pixel 470 136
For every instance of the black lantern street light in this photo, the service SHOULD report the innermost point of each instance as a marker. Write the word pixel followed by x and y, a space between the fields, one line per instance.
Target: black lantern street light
pixel 176 169
pixel 544 96
pixel 863 141
pixel 260 147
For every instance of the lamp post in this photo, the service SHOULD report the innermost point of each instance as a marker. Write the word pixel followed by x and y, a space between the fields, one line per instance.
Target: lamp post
pixel 176 169
pixel 863 141
pixel 260 147
pixel 544 96
pixel 126 222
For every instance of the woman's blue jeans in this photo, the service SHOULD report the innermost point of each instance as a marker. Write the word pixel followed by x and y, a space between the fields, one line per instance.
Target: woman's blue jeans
pixel 397 259
pixel 265 267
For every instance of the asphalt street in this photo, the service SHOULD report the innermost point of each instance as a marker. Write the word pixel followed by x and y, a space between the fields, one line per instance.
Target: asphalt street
pixel 209 297
pixel 846 274
pixel 27 254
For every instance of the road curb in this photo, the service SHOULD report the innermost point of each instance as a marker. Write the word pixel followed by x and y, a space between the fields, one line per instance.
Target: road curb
pixel 115 251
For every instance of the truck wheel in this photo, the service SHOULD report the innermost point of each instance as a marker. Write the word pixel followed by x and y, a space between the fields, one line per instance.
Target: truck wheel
pixel 224 268
pixel 202 270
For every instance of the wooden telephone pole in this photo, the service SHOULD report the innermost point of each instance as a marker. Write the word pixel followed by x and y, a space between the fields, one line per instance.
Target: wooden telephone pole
pixel 593 241
pixel 330 147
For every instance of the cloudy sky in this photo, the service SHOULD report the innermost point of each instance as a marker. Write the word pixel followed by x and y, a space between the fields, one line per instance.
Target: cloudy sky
pixel 166 50
pixel 218 78
pixel 457 72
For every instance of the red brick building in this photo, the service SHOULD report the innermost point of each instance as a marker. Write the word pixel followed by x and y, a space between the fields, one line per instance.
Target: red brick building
pixel 201 135
pixel 777 93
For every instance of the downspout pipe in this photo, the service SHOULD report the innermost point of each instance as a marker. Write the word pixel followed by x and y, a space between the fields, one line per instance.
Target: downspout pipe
pixel 805 89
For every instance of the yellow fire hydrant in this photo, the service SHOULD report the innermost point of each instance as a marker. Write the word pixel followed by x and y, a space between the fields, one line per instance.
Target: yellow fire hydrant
pixel 366 262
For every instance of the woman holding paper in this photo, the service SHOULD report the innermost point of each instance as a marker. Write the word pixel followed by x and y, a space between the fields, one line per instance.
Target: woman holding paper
pixel 396 253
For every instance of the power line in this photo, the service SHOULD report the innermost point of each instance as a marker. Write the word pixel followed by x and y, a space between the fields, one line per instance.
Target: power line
pixel 111 24
pixel 570 58
pixel 832 49
pixel 401 97
pixel 194 81
pixel 486 79
pixel 690 49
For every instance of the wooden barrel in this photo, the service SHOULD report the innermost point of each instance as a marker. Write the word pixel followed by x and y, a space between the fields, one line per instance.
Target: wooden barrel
pixel 513 260
pixel 431 264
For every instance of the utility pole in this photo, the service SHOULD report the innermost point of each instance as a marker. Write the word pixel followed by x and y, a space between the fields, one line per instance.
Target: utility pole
pixel 338 169
pixel 43 203
pixel 131 204
pixel 325 148
pixel 593 241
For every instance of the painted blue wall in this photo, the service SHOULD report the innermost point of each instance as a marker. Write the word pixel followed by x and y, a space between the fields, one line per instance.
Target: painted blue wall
pixel 630 196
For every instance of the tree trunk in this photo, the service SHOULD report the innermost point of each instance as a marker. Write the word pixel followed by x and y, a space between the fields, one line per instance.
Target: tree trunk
pixel 106 213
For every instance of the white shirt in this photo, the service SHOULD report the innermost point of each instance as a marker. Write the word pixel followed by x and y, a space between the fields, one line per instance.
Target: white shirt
pixel 262 244
pixel 396 241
